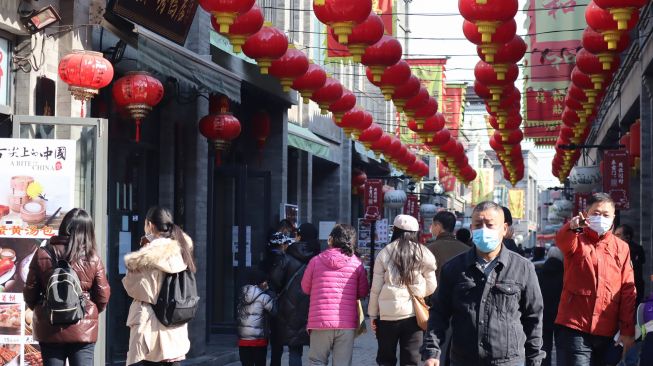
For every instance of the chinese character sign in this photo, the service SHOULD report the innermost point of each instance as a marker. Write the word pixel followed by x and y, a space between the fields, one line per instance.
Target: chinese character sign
pixel 412 206
pixel 616 177
pixel 373 199
pixel 580 202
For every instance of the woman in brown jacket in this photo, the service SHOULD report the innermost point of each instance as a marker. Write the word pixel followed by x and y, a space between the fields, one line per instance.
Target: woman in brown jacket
pixel 75 244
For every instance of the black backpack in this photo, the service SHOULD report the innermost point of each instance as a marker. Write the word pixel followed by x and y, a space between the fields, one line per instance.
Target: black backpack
pixel 63 299
pixel 177 301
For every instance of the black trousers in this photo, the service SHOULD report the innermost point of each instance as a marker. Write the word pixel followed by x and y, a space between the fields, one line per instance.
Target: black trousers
pixel 150 363
pixel 253 356
pixel 77 354
pixel 407 334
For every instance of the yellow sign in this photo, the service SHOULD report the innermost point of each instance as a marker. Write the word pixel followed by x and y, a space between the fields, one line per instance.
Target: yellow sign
pixel 516 203
pixel 483 186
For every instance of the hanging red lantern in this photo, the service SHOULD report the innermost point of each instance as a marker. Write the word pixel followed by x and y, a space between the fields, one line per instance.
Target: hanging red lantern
pixel 384 53
pixel 363 35
pixel 416 102
pixel 329 93
pixel 405 91
pixel 594 43
pixel 137 92
pixel 382 143
pixel 243 27
pixel 509 100
pixel 430 127
pixel 591 65
pixel 583 81
pixel 343 105
pixel 622 10
pixel 392 149
pixel 370 135
pixel 85 72
pixel 578 94
pixel 225 12
pixel 289 67
pixel 509 53
pixel 486 74
pixel 602 21
pixel 312 80
pixel 439 140
pixel 220 127
pixel 393 77
pixel 407 161
pixel 484 91
pixel 355 120
pixel 358 179
pixel 425 111
pixel 260 128
pixel 342 15
pixel 510 122
pixel 573 103
pixel 265 46
pixel 488 14
pixel 504 33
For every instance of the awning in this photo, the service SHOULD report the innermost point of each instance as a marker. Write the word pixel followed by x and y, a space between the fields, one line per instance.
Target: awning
pixel 365 153
pixel 167 58
pixel 303 139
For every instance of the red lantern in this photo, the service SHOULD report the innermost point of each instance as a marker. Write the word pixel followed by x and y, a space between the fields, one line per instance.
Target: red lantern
pixel 510 122
pixel 355 120
pixel 260 128
pixel 439 140
pixel 427 110
pixel 342 15
pixel 85 72
pixel 312 80
pixel 504 33
pixel 622 10
pixel 358 179
pixel 488 14
pixel 346 102
pixel 137 92
pixel 220 128
pixel 509 100
pixel 583 81
pixel 484 91
pixel 416 102
pixel 405 91
pixel 266 45
pixel 363 35
pixel 573 103
pixel 386 52
pixel 289 67
pixel 591 65
pixel 394 76
pixel 594 43
pixel 392 149
pixel 509 53
pixel 430 127
pixel 486 74
pixel 243 27
pixel 329 93
pixel 370 135
pixel 602 21
pixel 382 143
pixel 226 11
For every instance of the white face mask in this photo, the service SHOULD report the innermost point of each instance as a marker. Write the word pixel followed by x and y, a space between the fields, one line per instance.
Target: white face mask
pixel 600 224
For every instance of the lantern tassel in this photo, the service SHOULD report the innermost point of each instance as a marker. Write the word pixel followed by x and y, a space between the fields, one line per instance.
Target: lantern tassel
pixel 81 109
pixel 138 130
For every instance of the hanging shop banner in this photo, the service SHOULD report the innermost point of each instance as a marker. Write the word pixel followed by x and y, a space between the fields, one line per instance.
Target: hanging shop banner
pixel 169 18
pixel 373 199
pixel 446 177
pixel 483 186
pixel 384 9
pixel 580 202
pixel 36 191
pixel 412 206
pixel 616 178
pixel 516 203
pixel 454 110
pixel 544 115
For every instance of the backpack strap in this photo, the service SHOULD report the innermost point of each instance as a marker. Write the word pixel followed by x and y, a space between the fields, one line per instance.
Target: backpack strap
pixel 52 253
pixel 290 281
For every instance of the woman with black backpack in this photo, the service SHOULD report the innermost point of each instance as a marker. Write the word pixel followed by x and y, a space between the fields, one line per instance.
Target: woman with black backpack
pixel 165 250
pixel 67 335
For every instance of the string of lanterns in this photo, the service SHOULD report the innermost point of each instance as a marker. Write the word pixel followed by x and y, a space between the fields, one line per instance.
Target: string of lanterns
pixel 609 22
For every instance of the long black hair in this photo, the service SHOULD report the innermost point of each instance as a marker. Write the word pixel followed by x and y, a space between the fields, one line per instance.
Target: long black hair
pixel 161 218
pixel 78 229
pixel 343 237
pixel 407 256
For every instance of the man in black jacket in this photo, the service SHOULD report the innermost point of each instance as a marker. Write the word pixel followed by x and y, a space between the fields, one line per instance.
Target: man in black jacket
pixel 491 298
pixel 551 276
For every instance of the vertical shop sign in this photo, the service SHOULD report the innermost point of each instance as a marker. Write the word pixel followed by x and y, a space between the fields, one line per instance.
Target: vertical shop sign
pixel 616 177
pixel 580 202
pixel 373 199
pixel 411 207
pixel 36 191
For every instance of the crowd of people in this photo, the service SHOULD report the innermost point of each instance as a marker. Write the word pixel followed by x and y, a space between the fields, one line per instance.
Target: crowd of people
pixel 489 304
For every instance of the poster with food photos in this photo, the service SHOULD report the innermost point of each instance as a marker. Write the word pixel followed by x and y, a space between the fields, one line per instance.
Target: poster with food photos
pixel 37 180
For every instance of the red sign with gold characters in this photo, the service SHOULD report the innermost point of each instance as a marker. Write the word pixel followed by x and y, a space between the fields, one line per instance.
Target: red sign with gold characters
pixel 616 178
pixel 580 202
pixel 373 199
pixel 412 206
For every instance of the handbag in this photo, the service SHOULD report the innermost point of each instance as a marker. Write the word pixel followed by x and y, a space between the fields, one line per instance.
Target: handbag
pixel 362 327
pixel 421 310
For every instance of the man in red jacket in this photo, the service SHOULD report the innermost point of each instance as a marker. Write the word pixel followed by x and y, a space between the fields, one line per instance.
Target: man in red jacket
pixel 598 295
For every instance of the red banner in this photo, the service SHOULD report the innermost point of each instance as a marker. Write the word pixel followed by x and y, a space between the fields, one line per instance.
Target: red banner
pixel 616 178
pixel 453 107
pixel 412 206
pixel 383 8
pixel 373 199
pixel 580 202
pixel 445 177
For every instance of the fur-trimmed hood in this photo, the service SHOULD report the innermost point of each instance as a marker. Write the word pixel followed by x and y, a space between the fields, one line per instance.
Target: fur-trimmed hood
pixel 162 254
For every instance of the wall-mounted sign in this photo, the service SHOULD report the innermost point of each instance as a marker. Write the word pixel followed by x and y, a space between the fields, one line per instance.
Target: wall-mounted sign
pixel 373 199
pixel 616 178
pixel 168 18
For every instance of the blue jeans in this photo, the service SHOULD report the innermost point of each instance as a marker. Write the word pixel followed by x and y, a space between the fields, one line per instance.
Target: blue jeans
pixel 77 354
pixel 581 349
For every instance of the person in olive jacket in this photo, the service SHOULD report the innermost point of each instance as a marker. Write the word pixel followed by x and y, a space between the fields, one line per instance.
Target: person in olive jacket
pixel 75 244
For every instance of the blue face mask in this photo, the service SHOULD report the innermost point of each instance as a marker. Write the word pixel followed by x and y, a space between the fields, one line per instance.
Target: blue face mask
pixel 486 240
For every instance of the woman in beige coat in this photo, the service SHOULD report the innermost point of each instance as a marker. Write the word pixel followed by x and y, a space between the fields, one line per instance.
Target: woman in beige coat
pixel 402 268
pixel 165 249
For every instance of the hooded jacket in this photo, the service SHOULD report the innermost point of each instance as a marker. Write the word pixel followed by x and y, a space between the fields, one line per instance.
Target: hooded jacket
pixel 293 303
pixel 96 292
pixel 335 282
pixel 598 294
pixel 254 307
pixel 149 339
pixel 389 299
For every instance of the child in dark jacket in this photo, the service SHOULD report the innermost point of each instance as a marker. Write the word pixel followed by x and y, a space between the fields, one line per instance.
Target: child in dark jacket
pixel 255 306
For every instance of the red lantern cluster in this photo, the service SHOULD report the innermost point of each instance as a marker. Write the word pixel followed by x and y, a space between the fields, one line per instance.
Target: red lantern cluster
pixel 490 24
pixel 609 22
pixel 137 92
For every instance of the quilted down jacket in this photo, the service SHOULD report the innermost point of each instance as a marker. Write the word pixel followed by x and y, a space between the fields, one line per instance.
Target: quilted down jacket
pixel 254 308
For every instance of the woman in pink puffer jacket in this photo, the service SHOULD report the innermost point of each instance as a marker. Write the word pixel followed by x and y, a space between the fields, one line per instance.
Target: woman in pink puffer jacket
pixel 334 280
